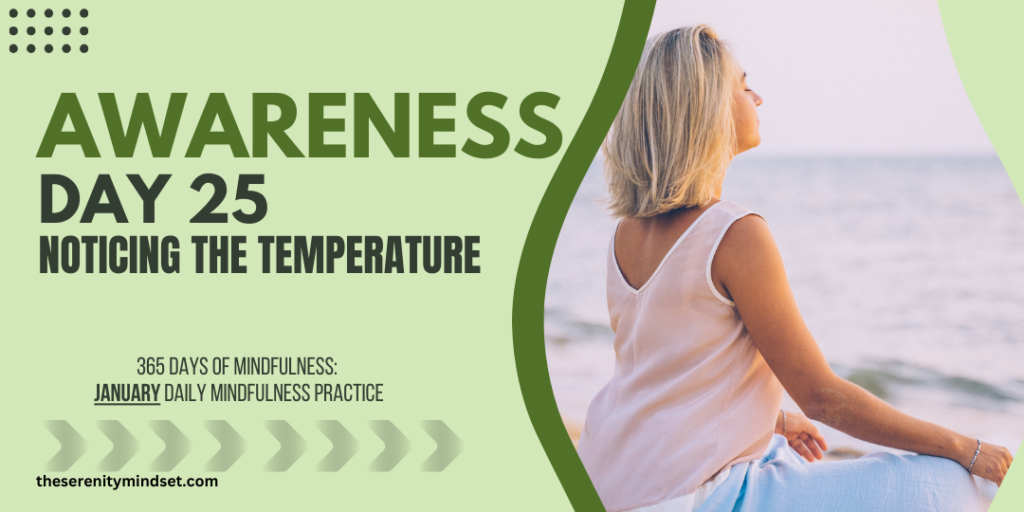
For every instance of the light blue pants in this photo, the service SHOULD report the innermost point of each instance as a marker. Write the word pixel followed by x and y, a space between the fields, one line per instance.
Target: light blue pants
pixel 781 480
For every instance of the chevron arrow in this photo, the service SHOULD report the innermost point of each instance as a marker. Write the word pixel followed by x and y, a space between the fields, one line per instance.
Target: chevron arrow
pixel 232 446
pixel 72 445
pixel 345 446
pixel 396 445
pixel 176 445
pixel 449 446
pixel 125 445
pixel 292 446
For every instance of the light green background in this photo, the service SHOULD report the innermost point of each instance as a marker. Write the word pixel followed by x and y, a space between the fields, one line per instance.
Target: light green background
pixel 441 343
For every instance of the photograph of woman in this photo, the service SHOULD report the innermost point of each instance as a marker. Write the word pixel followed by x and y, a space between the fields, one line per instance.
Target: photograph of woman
pixel 708 336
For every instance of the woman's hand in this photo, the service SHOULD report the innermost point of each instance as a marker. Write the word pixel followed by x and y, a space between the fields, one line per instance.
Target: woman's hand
pixel 992 463
pixel 804 437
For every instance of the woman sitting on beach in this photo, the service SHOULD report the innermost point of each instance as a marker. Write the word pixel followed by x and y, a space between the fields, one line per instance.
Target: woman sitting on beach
pixel 707 333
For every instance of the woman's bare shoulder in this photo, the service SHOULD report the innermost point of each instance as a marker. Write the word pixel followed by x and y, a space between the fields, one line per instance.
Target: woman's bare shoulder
pixel 747 235
pixel 747 251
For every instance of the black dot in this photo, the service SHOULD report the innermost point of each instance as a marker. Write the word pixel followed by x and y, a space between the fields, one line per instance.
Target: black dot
pixel 84 48
pixel 84 31
pixel 14 48
pixel 66 48
pixel 13 31
pixel 31 31
pixel 14 14
pixel 48 48
pixel 48 13
pixel 66 13
pixel 49 31
pixel 66 31
pixel 31 48
pixel 84 13
pixel 31 14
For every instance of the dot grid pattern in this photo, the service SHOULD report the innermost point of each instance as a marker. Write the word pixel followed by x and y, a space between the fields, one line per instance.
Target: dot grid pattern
pixel 28 29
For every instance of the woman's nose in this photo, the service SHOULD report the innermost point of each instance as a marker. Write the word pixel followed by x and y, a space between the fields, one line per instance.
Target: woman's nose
pixel 757 99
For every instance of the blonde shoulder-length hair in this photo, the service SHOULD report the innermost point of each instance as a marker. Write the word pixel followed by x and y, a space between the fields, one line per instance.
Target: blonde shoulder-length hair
pixel 673 137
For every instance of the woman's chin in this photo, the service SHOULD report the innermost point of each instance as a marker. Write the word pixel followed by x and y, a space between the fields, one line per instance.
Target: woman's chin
pixel 748 147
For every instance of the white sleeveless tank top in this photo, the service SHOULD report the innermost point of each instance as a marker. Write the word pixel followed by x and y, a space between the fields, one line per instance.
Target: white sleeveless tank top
pixel 691 395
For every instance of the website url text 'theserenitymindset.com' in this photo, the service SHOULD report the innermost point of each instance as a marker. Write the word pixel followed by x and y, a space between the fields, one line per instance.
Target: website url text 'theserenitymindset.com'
pixel 115 483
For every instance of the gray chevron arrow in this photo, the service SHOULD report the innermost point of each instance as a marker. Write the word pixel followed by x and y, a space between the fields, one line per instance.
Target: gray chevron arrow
pixel 292 446
pixel 232 446
pixel 125 445
pixel 177 446
pixel 72 445
pixel 396 445
pixel 449 446
pixel 345 446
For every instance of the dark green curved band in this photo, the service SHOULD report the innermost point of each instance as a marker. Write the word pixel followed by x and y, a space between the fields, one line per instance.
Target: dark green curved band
pixel 532 278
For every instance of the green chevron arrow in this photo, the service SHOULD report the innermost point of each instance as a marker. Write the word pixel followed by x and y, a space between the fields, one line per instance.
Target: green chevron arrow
pixel 232 446
pixel 177 446
pixel 125 445
pixel 396 445
pixel 292 446
pixel 345 446
pixel 72 445
pixel 449 446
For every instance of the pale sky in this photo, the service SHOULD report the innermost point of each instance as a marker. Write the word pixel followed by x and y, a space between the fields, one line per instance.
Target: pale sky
pixel 866 77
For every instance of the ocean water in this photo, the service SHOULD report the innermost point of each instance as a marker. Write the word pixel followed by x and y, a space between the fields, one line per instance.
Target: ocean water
pixel 908 271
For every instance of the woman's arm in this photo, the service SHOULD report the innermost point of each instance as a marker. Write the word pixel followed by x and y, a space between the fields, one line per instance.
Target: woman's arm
pixel 749 269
